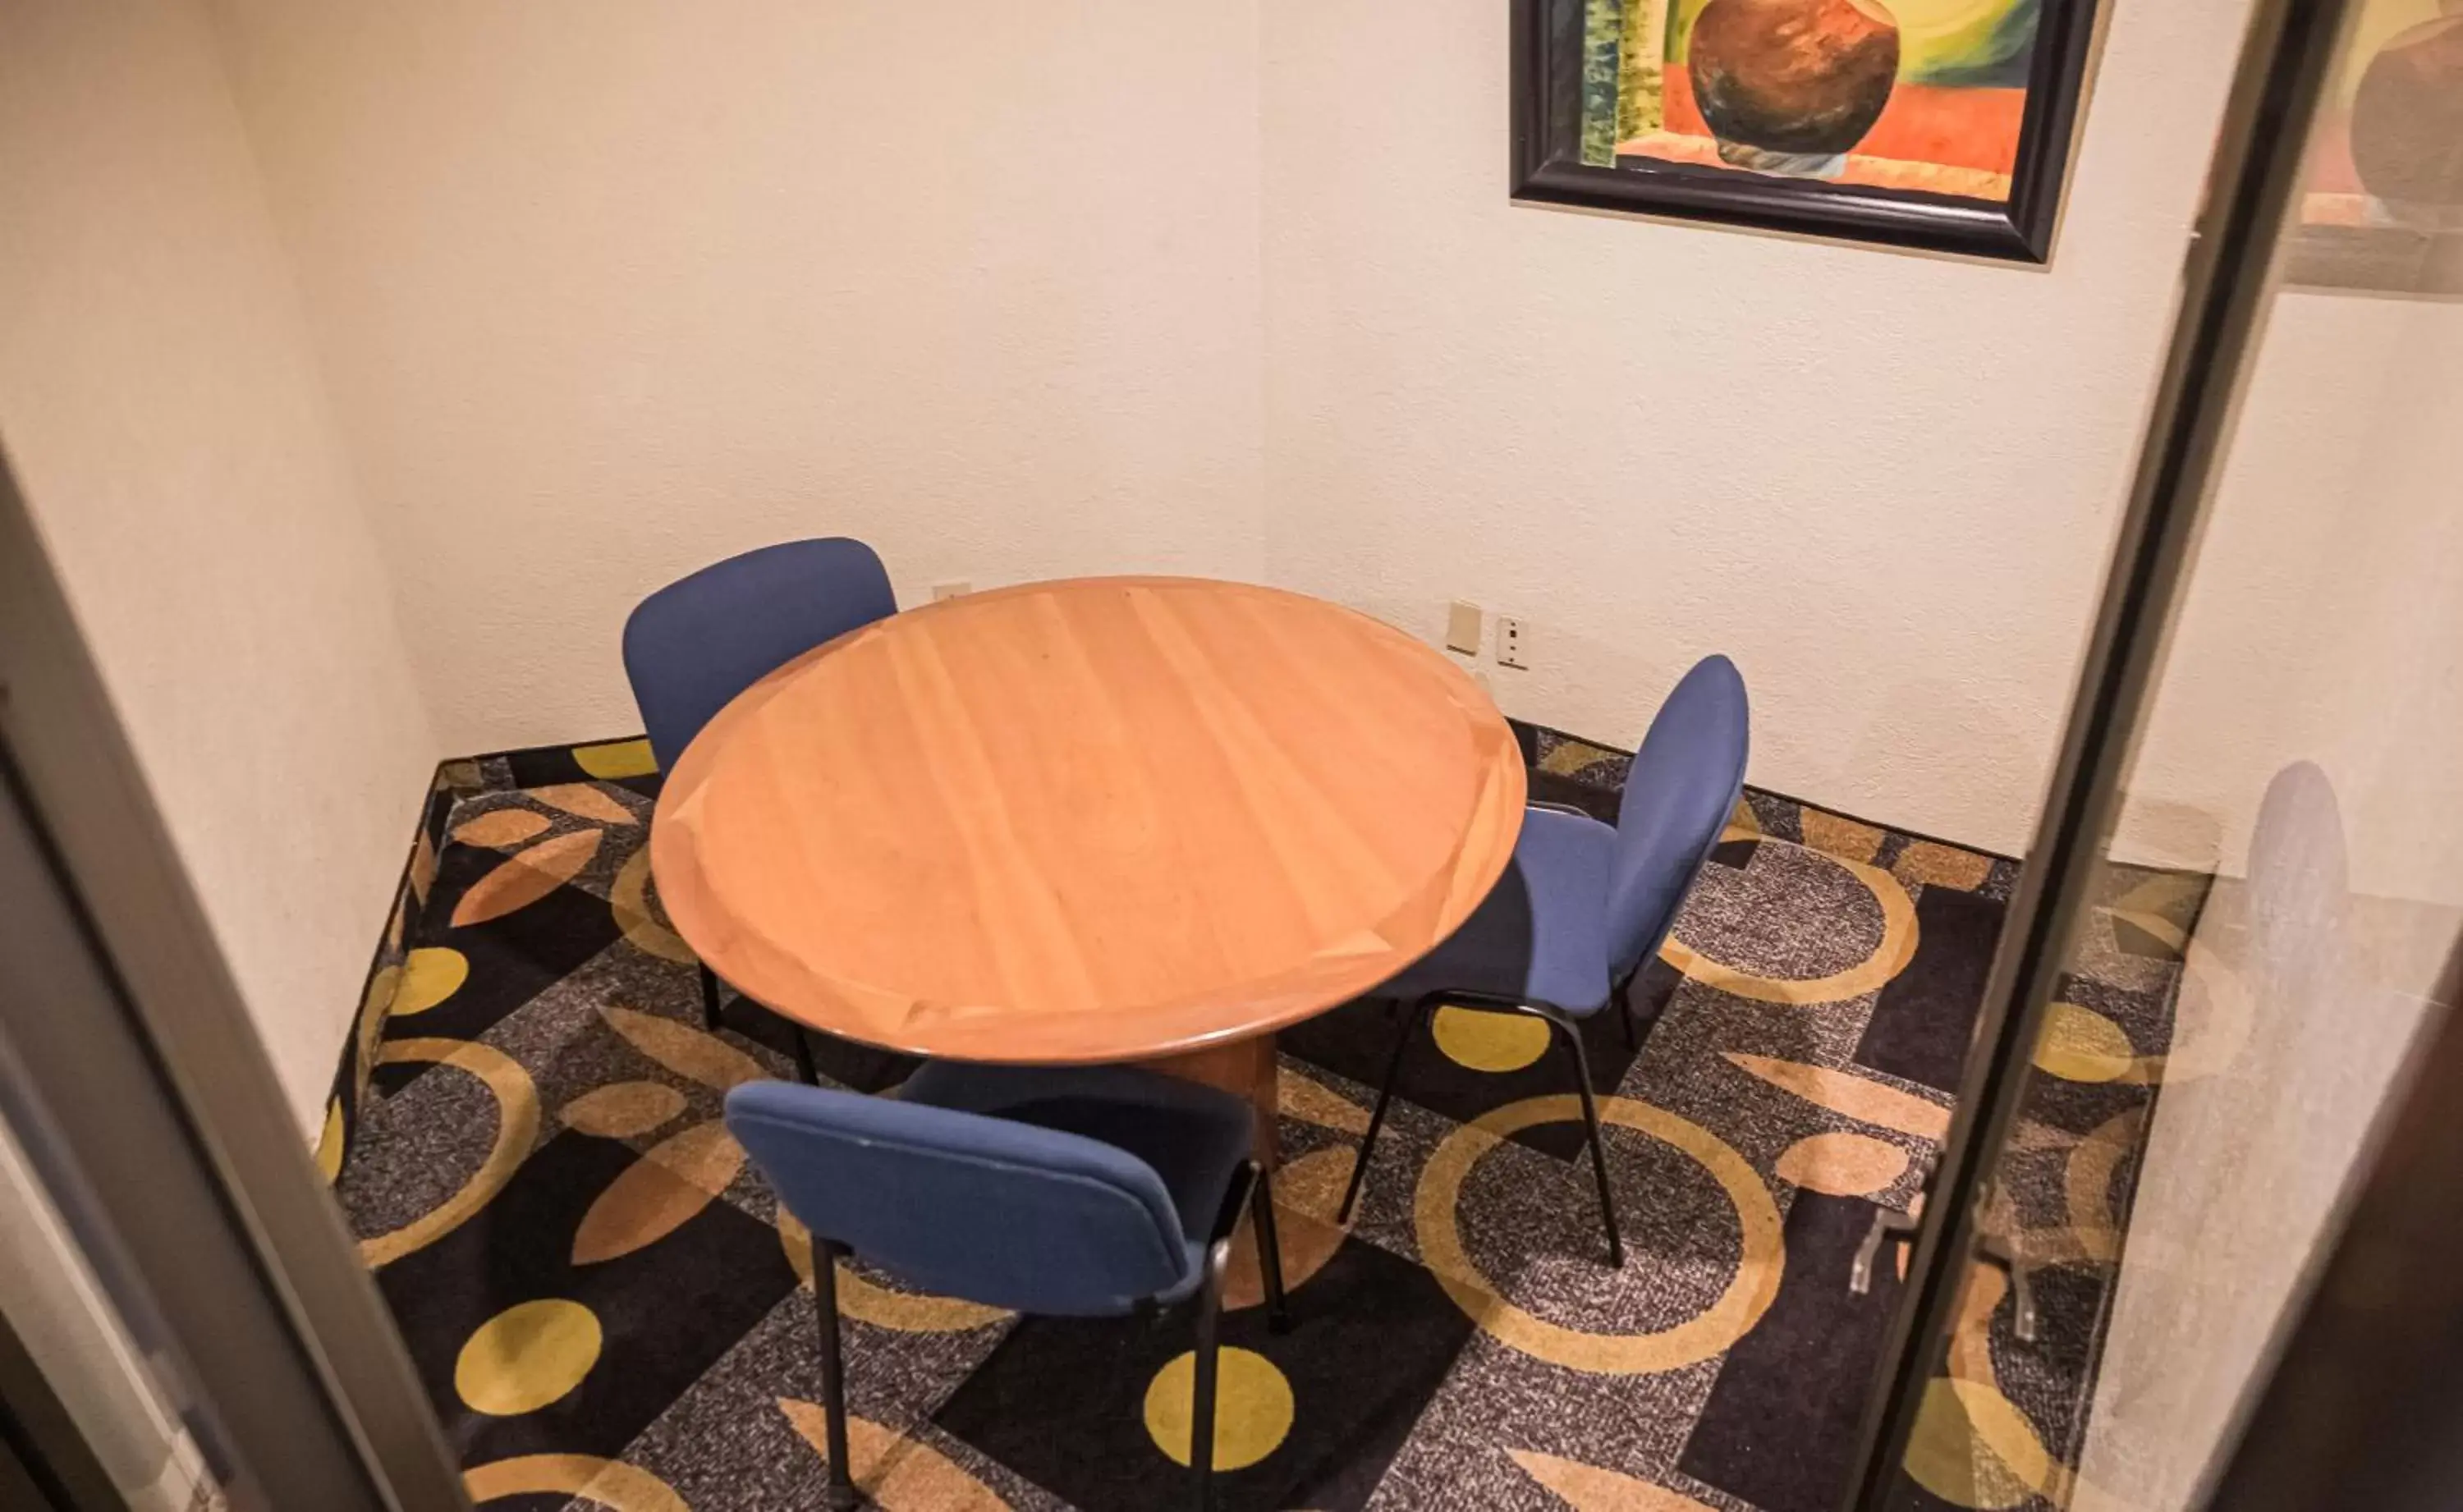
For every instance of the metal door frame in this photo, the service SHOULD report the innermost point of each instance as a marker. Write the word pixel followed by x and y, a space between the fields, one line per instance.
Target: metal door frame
pixel 2226 296
pixel 133 1075
pixel 45 1460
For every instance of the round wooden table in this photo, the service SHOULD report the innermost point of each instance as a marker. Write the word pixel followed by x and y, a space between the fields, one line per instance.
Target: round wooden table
pixel 1141 819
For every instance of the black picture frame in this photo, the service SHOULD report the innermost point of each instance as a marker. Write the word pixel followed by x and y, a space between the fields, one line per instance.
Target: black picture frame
pixel 1547 166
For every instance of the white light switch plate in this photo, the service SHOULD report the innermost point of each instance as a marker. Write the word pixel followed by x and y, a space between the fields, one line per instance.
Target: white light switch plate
pixel 1462 628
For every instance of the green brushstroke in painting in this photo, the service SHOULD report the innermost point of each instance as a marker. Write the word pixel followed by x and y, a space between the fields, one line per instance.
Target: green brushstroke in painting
pixel 1625 43
pixel 1642 66
pixel 1602 40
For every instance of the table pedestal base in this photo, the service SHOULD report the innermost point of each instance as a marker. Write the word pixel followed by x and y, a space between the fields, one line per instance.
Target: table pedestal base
pixel 1245 1067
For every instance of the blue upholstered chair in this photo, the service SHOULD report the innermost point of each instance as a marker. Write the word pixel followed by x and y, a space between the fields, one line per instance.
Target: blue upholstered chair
pixel 1584 906
pixel 1079 1191
pixel 702 639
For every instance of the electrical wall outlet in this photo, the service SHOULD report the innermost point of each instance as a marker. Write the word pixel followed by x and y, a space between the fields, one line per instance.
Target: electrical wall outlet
pixel 954 588
pixel 1510 648
pixel 1462 627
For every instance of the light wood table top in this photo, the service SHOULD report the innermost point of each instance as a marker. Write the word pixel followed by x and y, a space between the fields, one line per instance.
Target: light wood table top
pixel 1100 819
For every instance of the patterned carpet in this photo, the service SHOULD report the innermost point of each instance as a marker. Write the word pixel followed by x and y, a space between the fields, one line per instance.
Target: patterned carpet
pixel 609 1311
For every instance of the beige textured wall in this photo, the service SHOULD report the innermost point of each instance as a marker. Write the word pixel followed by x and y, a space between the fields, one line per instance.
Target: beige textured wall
pixel 169 429
pixel 594 293
pixel 2324 625
pixel 609 289
pixel 1885 484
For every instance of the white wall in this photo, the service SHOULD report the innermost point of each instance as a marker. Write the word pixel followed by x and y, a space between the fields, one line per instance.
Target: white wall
pixel 169 430
pixel 610 289
pixel 594 293
pixel 1885 484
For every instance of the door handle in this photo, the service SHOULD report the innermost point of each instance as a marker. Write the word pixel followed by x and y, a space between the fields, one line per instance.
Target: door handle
pixel 1992 1249
pixel 1889 1227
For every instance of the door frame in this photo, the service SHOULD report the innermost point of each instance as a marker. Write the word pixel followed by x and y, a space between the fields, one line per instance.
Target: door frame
pixel 133 1075
pixel 2226 296
pixel 44 1461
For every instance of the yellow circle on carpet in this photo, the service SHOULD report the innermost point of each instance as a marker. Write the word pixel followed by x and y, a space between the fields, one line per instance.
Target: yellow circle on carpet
pixel 1253 1407
pixel 527 1356
pixel 2081 1044
pixel 430 976
pixel 906 1311
pixel 1973 1448
pixel 615 760
pixel 517 1119
pixel 1762 1260
pixel 1890 955
pixel 329 1144
pixel 610 1483
pixel 1489 1042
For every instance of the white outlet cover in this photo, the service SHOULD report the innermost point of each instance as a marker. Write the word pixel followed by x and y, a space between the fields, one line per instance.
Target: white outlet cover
pixel 1509 650
pixel 954 588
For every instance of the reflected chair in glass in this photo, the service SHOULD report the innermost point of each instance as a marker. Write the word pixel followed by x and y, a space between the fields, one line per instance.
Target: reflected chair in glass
pixel 1093 1191
pixel 1582 906
pixel 696 643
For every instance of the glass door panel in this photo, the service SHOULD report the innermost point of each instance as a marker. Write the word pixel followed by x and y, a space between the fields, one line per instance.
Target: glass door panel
pixel 2247 939
pixel 99 1417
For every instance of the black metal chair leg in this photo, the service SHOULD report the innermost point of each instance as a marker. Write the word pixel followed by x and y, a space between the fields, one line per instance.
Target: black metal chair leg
pixel 1201 1405
pixel 1573 1038
pixel 1385 1096
pixel 714 1020
pixel 841 1496
pixel 1622 1002
pixel 1269 1253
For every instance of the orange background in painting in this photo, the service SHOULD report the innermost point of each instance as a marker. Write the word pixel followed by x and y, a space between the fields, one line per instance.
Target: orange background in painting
pixel 1956 127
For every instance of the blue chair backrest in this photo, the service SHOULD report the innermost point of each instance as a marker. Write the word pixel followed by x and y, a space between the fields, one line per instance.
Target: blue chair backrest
pixel 1683 784
pixel 703 639
pixel 962 1205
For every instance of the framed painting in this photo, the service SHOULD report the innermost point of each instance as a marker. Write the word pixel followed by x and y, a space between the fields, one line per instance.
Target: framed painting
pixel 1943 124
pixel 2382 207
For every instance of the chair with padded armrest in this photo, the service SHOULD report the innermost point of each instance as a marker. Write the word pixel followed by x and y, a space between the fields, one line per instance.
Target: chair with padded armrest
pixel 1072 1190
pixel 703 639
pixel 1584 906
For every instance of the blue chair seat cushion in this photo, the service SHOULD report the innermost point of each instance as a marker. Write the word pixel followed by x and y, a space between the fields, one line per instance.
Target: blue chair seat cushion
pixel 1541 935
pixel 1193 1137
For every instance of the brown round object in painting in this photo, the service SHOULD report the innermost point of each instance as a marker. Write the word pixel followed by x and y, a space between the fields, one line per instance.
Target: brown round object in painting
pixel 1795 77
pixel 1104 819
pixel 2408 120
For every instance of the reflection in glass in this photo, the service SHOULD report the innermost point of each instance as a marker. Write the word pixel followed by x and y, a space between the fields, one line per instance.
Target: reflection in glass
pixel 123 1401
pixel 2281 888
